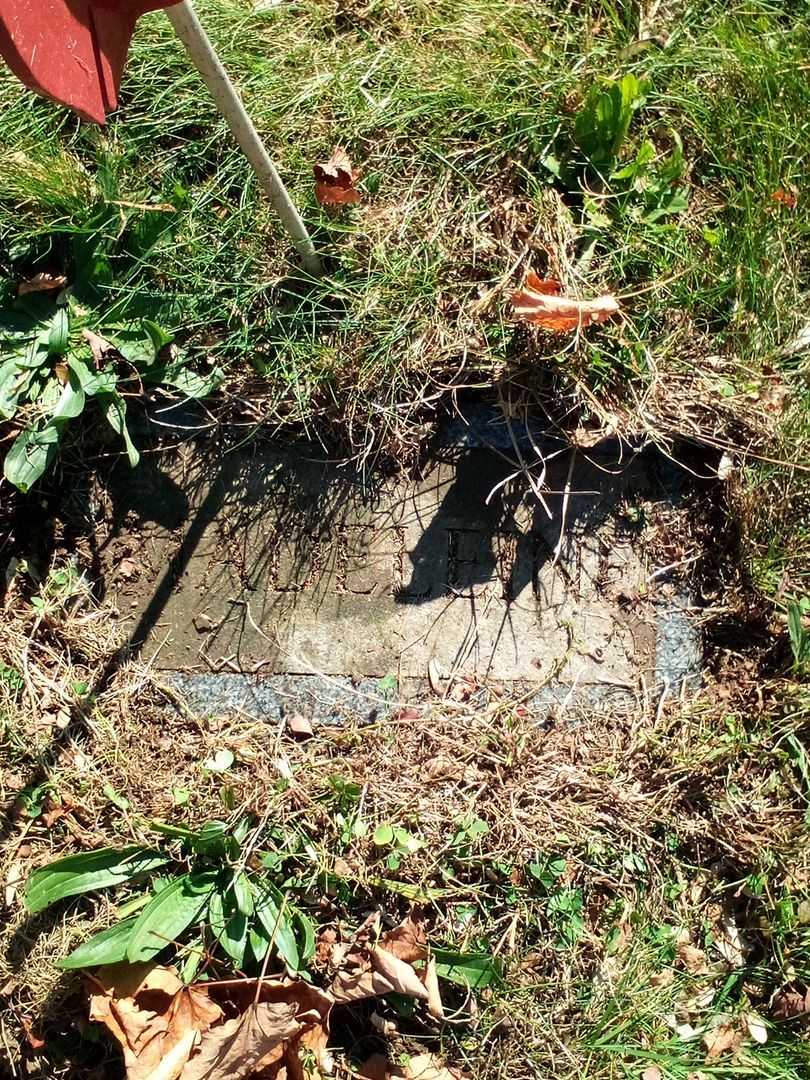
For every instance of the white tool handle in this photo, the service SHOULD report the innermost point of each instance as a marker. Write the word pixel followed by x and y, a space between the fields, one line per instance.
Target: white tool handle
pixel 188 28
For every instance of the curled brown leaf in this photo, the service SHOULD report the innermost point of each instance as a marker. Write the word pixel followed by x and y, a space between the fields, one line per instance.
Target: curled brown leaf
pixel 42 283
pixel 540 303
pixel 335 180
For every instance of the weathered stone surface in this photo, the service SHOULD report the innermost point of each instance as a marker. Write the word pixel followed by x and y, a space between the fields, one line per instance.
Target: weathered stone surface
pixel 269 561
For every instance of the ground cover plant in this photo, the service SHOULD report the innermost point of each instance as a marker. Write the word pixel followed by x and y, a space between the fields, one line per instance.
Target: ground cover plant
pixel 607 893
pixel 622 896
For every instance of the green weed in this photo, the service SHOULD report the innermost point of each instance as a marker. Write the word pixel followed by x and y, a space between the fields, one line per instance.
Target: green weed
pixel 226 906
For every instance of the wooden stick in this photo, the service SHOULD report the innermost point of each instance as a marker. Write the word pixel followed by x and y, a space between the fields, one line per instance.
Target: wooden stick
pixel 198 45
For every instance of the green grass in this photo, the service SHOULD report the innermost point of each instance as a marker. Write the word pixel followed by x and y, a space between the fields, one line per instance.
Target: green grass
pixel 461 118
pixel 449 110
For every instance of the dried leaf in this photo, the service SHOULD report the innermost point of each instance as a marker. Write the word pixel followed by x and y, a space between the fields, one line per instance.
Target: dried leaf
pixel 774 397
pixel 378 1067
pixel 99 347
pixel 150 1013
pixel 730 945
pixel 14 879
pixel 236 1048
pixel 298 725
pixel 434 998
pixel 444 768
pixel 127 568
pixel 173 1032
pixel 437 683
pixel 539 302
pixel 36 1042
pixel 420 1067
pixel 42 283
pixel 725 466
pixel 407 941
pixel 721 1040
pixel 789 1002
pixel 335 180
pixel 54 811
pixel 692 958
pixel 788 197
pixel 408 713
pixel 428 1067
pixel 327 939
pixel 311 1007
pixel 375 973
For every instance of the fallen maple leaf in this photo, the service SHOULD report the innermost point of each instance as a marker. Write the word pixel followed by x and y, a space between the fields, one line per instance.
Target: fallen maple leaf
pixel 150 1013
pixel 335 180
pixel 42 283
pixel 539 302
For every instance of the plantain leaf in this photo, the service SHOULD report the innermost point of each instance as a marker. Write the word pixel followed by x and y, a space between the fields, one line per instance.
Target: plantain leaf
pixel 475 970
pixel 114 408
pixel 243 893
pixel 30 455
pixel 168 914
pixel 230 927
pixel 108 947
pixel 14 380
pixel 272 913
pixel 307 929
pixel 71 400
pixel 59 333
pixel 78 874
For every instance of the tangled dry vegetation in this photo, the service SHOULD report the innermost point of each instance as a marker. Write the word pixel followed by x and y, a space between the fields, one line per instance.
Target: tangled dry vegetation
pixel 635 875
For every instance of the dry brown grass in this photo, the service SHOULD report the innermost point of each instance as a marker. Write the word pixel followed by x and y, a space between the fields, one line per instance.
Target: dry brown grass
pixel 660 815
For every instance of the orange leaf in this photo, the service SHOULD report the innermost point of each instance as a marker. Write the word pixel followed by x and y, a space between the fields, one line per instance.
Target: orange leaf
pixel 335 180
pixel 547 286
pixel 539 302
pixel 36 1042
pixel 788 198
